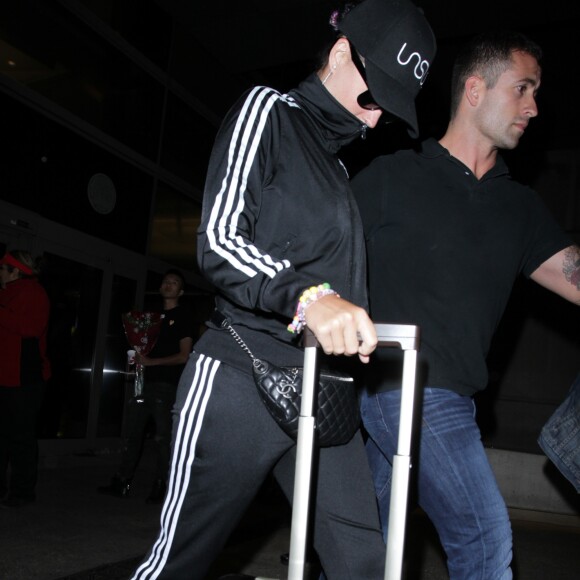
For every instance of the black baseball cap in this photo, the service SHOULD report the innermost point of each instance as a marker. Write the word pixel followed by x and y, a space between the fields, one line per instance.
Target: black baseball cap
pixel 398 47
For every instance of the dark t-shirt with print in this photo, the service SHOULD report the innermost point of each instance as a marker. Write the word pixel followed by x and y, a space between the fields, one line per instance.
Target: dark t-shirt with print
pixel 177 324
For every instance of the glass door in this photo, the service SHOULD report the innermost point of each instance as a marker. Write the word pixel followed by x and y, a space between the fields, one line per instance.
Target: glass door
pixel 74 290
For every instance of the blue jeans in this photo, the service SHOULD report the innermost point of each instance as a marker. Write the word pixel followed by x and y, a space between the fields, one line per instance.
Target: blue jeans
pixel 456 487
pixel 560 436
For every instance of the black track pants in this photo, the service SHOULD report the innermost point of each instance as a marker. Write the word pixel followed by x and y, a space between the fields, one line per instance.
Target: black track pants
pixel 224 445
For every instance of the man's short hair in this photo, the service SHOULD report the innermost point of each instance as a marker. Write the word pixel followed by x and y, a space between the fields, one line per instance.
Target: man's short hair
pixel 488 55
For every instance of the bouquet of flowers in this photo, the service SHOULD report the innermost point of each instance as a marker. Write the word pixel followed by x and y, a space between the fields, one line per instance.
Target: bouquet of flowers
pixel 142 330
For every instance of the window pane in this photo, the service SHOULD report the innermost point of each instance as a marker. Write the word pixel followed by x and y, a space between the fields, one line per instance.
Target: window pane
pixel 187 142
pixel 174 229
pixel 143 23
pixel 74 290
pixel 117 386
pixel 60 57
pixel 47 168
pixel 189 54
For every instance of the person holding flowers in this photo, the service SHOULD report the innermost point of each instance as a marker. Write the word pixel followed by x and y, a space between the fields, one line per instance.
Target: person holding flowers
pixel 163 364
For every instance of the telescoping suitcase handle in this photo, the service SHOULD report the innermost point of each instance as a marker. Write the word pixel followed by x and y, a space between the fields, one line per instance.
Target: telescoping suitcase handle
pixel 406 338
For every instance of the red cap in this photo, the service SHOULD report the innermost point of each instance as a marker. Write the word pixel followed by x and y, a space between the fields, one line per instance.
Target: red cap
pixel 10 260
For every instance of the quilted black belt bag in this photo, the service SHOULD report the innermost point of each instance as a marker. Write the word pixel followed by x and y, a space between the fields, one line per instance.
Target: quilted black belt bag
pixel 280 389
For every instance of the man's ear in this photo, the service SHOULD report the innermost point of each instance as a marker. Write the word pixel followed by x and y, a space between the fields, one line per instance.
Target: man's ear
pixel 474 87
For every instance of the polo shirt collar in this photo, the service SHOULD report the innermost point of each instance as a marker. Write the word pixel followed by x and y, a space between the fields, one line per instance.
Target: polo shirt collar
pixel 431 148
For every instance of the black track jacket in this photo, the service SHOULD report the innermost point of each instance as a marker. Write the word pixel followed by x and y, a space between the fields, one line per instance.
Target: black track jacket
pixel 278 216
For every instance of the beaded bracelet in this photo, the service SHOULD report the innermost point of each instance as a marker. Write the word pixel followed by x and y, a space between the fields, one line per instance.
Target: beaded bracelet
pixel 309 296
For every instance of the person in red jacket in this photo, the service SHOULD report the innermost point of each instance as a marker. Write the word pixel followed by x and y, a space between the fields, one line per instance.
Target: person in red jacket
pixel 24 368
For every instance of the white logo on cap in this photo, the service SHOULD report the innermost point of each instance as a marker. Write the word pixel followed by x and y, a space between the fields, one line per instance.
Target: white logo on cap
pixel 421 67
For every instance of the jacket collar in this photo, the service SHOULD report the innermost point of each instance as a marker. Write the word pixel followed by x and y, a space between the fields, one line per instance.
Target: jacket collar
pixel 336 125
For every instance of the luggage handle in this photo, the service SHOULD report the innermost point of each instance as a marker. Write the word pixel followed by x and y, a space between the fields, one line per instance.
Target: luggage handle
pixel 405 337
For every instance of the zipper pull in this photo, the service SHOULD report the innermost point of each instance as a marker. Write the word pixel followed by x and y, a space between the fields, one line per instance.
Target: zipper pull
pixel 363 132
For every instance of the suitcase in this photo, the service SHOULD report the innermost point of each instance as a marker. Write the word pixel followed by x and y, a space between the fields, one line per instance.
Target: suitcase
pixel 406 338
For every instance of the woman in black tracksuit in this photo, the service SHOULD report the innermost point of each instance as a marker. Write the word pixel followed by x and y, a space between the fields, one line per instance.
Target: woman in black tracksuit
pixel 278 218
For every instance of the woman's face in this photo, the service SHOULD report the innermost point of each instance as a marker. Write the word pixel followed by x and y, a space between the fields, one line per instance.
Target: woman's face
pixel 6 276
pixel 345 83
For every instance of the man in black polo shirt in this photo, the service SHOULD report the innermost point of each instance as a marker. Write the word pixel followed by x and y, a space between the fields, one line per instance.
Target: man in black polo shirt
pixel 448 231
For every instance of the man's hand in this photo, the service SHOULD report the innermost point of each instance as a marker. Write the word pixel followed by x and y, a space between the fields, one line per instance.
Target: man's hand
pixel 341 327
pixel 143 360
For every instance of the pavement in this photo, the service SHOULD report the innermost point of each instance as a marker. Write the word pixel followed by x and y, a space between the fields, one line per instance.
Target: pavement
pixel 74 533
